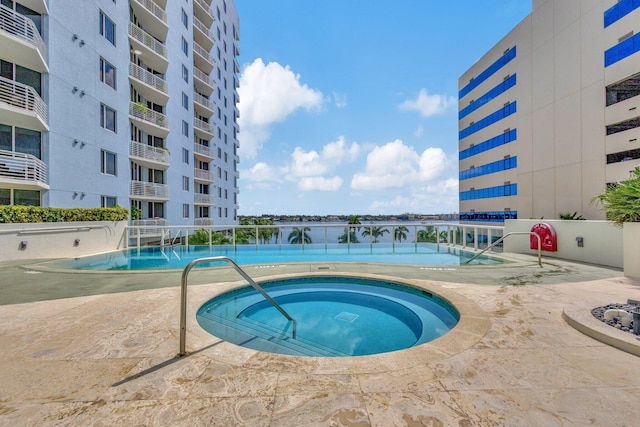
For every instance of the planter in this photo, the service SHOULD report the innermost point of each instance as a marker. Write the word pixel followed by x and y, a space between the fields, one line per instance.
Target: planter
pixel 631 239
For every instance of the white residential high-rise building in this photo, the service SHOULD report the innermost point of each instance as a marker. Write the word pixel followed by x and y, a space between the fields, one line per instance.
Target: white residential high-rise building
pixel 551 114
pixel 121 102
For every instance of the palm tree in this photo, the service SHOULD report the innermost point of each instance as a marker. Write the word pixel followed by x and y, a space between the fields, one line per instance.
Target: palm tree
pixel 349 236
pixel 400 233
pixel 374 231
pixel 299 236
pixel 428 234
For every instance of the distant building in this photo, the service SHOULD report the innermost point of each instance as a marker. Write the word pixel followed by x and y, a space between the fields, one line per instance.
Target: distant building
pixel 127 102
pixel 551 114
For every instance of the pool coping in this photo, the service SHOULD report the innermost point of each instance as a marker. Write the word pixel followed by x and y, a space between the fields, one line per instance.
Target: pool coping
pixel 474 323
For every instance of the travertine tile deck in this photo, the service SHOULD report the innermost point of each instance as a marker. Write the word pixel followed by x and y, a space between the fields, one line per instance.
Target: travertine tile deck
pixel 110 360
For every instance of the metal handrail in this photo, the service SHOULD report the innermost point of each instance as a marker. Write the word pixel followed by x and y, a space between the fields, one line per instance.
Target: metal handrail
pixel 531 233
pixel 183 299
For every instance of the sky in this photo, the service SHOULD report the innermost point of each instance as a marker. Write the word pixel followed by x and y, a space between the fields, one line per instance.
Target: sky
pixel 350 106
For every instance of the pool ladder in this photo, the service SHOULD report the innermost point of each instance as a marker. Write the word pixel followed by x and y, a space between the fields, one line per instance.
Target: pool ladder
pixel 183 299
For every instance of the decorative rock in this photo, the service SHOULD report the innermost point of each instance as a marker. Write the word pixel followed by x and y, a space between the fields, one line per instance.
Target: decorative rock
pixel 617 322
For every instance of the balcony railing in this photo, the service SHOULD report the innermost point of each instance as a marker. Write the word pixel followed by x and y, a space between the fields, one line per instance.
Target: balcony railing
pixel 203 101
pixel 205 8
pixel 203 149
pixel 151 79
pixel 149 190
pixel 22 96
pixel 147 227
pixel 147 40
pixel 203 221
pixel 202 174
pixel 203 199
pixel 144 113
pixel 200 26
pixel 153 8
pixel 202 125
pixel 204 54
pixel 202 76
pixel 23 167
pixel 23 28
pixel 148 152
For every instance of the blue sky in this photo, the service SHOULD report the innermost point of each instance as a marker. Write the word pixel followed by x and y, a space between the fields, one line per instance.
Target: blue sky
pixel 350 106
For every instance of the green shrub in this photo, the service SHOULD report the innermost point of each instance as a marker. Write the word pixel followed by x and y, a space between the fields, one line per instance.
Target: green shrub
pixel 27 214
pixel 621 201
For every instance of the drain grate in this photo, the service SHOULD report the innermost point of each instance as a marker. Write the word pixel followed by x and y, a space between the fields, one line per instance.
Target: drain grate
pixel 347 317
pixel 324 268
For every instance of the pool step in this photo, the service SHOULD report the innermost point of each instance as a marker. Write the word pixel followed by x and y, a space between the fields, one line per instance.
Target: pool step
pixel 266 338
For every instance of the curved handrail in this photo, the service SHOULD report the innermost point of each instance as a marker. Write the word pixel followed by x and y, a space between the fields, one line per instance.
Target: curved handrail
pixel 531 233
pixel 183 299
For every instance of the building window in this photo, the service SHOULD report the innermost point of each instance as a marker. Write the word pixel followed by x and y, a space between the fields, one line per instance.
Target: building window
pixel 185 102
pixel 185 46
pixel 623 90
pixel 107 28
pixel 185 183
pixel 185 73
pixel 107 73
pixel 108 201
pixel 219 152
pixel 107 118
pixel 185 156
pixel 623 156
pixel 185 210
pixel 185 19
pixel 108 164
pixel 185 128
pixel 622 126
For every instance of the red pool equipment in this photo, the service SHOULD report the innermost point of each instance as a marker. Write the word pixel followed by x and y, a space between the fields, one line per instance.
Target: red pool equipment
pixel 547 236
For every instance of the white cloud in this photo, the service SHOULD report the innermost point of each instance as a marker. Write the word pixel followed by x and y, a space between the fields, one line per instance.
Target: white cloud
pixel 269 94
pixel 339 100
pixel 429 105
pixel 396 165
pixel 439 197
pixel 261 175
pixel 320 183
pixel 419 132
pixel 309 168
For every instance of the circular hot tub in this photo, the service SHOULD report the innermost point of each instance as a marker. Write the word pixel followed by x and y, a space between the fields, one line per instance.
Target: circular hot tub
pixel 334 316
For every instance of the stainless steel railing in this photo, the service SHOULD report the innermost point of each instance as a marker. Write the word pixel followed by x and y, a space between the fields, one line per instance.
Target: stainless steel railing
pixel 183 298
pixel 531 233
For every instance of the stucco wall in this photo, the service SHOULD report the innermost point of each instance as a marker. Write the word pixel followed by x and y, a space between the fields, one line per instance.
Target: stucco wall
pixel 58 240
pixel 602 241
pixel 632 249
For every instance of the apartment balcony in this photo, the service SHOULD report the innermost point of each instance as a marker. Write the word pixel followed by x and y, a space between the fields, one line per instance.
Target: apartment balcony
pixel 149 85
pixel 21 106
pixel 147 155
pixel 39 6
pixel 203 151
pixel 202 34
pixel 141 190
pixel 20 41
pixel 152 52
pixel 203 221
pixel 150 228
pixel 203 175
pixel 202 106
pixel 149 121
pixel 202 129
pixel 202 11
pixel 202 82
pixel 202 59
pixel 22 171
pixel 202 199
pixel 152 17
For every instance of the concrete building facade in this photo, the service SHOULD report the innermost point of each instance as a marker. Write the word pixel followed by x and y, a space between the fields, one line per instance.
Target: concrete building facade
pixel 551 114
pixel 121 102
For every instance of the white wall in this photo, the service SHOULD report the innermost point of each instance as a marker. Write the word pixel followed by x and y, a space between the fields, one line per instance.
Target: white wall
pixel 632 249
pixel 43 241
pixel 602 241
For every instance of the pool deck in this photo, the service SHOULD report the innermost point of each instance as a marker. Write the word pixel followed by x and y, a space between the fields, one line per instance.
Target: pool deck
pixel 76 350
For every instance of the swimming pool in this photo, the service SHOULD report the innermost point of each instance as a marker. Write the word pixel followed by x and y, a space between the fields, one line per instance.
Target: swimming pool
pixel 177 257
pixel 335 316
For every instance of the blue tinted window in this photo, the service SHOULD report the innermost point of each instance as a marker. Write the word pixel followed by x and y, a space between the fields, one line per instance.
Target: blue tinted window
pixel 490 192
pixel 622 50
pixel 619 10
pixel 500 165
pixel 494 142
pixel 491 70
pixel 505 111
pixel 493 93
pixel 491 216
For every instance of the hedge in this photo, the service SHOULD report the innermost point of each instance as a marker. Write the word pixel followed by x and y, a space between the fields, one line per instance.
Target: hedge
pixel 25 214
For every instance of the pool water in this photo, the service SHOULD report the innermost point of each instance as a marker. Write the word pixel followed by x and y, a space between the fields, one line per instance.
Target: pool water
pixel 171 257
pixel 336 316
